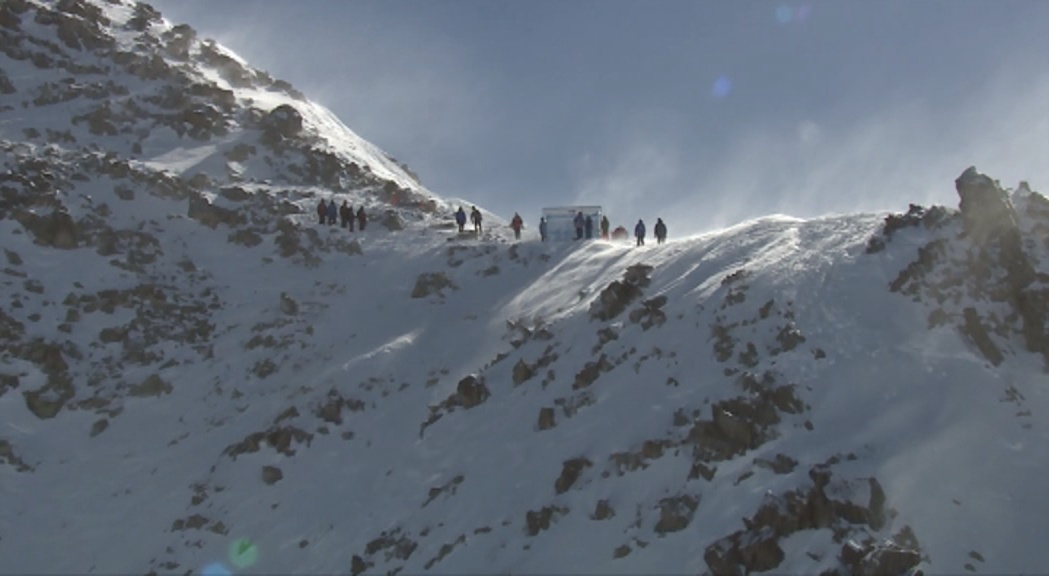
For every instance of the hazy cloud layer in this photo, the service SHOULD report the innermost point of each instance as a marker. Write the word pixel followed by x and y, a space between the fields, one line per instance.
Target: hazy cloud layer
pixel 907 151
pixel 703 113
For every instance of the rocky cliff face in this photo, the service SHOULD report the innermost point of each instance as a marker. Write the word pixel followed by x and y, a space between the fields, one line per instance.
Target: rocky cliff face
pixel 95 96
pixel 111 88
pixel 993 259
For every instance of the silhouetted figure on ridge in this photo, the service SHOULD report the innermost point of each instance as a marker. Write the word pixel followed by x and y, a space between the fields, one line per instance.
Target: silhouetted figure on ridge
pixel 460 219
pixel 661 231
pixel 516 224
pixel 333 212
pixel 362 218
pixel 345 213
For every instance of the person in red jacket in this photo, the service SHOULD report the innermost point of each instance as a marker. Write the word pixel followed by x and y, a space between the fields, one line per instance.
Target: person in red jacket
pixel 345 214
pixel 516 224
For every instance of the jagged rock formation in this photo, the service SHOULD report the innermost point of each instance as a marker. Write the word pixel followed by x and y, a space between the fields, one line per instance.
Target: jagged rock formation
pixel 123 89
pixel 990 258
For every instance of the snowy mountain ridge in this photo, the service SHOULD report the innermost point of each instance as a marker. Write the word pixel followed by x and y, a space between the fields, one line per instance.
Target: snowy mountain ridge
pixel 196 377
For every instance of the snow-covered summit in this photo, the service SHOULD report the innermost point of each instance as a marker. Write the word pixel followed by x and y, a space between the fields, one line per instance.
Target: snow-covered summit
pixel 116 78
pixel 197 377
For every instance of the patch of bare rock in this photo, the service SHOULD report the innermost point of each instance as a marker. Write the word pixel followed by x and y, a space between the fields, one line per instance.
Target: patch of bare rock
pixel 985 256
pixel 469 393
pixel 615 298
pixel 429 283
pixel 852 509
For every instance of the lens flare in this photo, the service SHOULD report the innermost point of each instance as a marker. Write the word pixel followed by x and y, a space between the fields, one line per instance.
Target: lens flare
pixel 216 569
pixel 802 13
pixel 784 14
pixel 243 553
pixel 722 87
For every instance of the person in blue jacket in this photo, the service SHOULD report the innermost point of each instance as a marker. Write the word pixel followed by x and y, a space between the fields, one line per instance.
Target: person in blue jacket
pixel 333 212
pixel 639 232
pixel 460 219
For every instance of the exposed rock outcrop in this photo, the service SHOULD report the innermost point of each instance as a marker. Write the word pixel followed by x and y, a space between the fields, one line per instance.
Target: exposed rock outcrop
pixel 650 313
pixel 282 123
pixel 614 299
pixel 204 211
pixel 538 520
pixel 849 508
pixel 570 473
pixel 57 229
pixel 676 513
pixel 989 262
pixel 431 283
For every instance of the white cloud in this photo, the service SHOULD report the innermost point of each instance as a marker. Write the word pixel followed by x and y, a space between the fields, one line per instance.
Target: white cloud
pixel 646 173
pixel 906 151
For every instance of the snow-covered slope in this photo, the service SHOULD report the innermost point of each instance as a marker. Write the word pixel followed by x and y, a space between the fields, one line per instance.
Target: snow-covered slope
pixel 196 377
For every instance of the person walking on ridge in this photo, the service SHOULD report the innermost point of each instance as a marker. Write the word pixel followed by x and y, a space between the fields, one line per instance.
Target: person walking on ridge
pixel 661 231
pixel 475 217
pixel 542 229
pixel 322 211
pixel 345 213
pixel 639 232
pixel 604 227
pixel 579 223
pixel 333 212
pixel 460 219
pixel 516 224
pixel 362 218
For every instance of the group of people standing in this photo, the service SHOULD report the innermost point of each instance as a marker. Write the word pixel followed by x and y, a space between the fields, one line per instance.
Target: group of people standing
pixel 327 212
pixel 475 219
pixel 661 232
pixel 584 229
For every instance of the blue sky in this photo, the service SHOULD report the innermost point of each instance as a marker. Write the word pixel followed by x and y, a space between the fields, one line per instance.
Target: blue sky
pixel 702 112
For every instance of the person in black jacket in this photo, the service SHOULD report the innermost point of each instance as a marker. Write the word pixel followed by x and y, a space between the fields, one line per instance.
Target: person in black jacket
pixel 661 231
pixel 345 214
pixel 362 219
pixel 322 211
